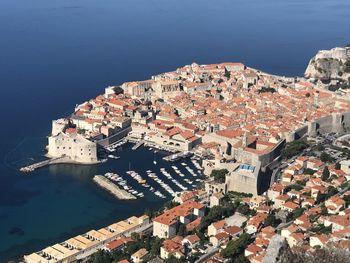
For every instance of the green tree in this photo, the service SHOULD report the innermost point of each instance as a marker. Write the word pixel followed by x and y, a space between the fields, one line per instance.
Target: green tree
pixel 219 175
pixel 296 187
pixel 241 259
pixel 182 230
pixel 293 148
pixel 155 246
pixel 331 191
pixel 170 204
pixel 325 174
pixel 271 220
pixel 173 259
pixel 266 89
pixel 243 209
pixel 326 158
pixel 337 166
pixel 347 66
pixel 235 247
pixel 298 212
pixel 135 236
pixel 101 256
pixel 118 90
pixel 149 212
pixel 309 171
pixel 346 198
pixel 215 213
pixel 320 198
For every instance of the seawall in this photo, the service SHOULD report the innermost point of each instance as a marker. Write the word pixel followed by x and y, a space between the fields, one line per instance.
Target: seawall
pixel 112 188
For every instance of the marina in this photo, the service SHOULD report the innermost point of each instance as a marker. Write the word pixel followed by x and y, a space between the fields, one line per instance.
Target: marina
pixel 160 182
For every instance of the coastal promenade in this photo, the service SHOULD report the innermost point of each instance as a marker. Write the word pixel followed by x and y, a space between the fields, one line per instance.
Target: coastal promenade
pixel 113 188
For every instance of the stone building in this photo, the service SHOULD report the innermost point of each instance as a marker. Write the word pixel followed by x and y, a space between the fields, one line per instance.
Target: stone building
pixel 66 141
pixel 162 87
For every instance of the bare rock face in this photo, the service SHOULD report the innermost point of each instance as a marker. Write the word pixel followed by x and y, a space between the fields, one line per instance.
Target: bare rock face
pixel 278 246
pixel 331 64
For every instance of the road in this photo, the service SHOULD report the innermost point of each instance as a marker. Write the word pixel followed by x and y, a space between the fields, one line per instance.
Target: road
pixel 210 252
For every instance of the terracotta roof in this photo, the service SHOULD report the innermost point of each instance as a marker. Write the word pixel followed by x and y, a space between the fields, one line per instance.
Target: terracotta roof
pixel 170 216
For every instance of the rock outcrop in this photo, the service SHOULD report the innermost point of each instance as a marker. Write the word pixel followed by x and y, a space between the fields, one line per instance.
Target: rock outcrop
pixel 331 64
pixel 278 246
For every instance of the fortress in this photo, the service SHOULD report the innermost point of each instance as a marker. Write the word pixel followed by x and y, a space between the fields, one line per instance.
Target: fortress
pixel 65 141
pixel 249 172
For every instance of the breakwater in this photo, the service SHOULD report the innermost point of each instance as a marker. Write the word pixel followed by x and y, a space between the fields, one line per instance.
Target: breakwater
pixel 58 160
pixel 112 188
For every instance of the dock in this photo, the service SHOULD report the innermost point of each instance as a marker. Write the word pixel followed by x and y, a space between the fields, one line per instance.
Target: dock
pixel 34 166
pixel 113 188
pixel 176 156
pixel 137 145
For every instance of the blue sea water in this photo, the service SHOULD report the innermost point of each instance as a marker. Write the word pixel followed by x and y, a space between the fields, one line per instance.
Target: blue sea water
pixel 56 53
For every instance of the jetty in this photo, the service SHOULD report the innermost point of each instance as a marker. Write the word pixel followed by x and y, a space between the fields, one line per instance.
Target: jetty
pixel 113 188
pixel 176 156
pixel 137 145
pixel 34 166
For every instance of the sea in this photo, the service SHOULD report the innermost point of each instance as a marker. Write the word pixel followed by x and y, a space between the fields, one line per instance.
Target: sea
pixel 57 53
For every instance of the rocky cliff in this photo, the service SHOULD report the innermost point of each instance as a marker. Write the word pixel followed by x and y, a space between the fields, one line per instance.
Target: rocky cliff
pixel 279 251
pixel 331 64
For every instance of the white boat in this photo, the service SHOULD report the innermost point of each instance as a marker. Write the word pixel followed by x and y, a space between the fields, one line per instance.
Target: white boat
pixel 155 162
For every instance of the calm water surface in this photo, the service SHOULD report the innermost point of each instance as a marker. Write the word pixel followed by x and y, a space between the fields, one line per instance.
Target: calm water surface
pixel 54 54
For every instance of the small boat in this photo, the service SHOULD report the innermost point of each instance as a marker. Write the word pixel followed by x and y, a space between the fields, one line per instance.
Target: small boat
pixel 113 156
pixel 155 162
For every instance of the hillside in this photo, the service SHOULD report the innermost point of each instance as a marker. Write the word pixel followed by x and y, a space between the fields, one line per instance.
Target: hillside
pixel 331 66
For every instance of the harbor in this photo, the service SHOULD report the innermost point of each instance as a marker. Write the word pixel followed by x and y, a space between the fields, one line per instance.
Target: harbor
pixel 70 187
pixel 160 180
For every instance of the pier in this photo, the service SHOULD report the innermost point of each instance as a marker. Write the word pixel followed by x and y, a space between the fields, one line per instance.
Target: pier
pixel 137 145
pixel 113 188
pixel 176 156
pixel 34 166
